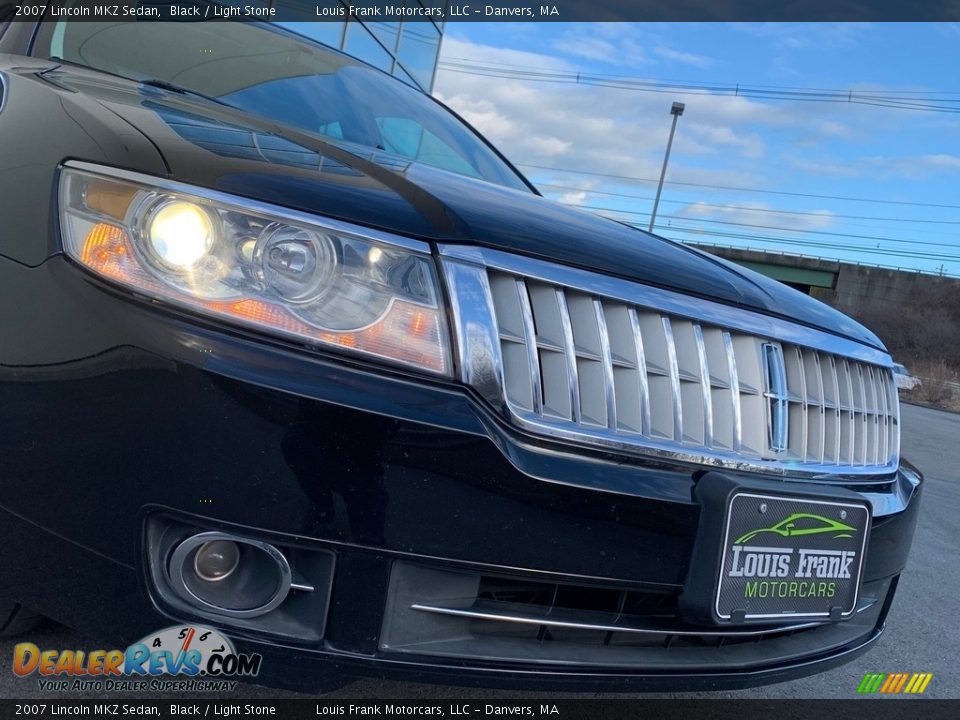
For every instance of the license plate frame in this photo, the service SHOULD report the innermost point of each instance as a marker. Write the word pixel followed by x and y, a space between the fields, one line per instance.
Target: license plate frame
pixel 794 552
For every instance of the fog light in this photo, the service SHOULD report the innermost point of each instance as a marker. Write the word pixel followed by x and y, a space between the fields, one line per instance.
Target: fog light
pixel 216 560
pixel 180 234
pixel 229 575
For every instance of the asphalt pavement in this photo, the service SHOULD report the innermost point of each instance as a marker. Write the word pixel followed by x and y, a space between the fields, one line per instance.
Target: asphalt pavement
pixel 923 631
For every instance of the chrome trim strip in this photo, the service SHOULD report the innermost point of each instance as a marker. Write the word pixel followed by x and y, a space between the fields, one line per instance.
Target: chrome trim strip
pixel 477 340
pixel 884 432
pixel 494 615
pixel 586 437
pixel 251 206
pixel 4 91
pixel 694 308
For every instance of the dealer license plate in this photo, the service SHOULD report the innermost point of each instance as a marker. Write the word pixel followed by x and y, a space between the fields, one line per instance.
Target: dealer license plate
pixel 793 557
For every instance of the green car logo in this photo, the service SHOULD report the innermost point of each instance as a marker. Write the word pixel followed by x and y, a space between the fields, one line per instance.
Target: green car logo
pixel 801 524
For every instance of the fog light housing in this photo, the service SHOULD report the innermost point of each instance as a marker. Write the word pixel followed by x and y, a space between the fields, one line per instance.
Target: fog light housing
pixel 229 575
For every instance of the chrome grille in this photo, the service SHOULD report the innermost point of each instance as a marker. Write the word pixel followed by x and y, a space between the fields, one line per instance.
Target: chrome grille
pixel 601 369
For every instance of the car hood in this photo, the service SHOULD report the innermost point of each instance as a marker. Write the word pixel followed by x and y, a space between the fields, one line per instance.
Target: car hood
pixel 222 148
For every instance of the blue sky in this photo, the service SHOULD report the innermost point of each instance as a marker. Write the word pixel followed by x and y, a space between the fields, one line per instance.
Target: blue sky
pixel 798 163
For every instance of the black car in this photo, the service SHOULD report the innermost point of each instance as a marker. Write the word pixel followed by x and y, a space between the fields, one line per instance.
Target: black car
pixel 290 354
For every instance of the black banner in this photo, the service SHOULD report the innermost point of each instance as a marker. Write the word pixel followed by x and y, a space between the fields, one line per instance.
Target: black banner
pixel 488 11
pixel 466 709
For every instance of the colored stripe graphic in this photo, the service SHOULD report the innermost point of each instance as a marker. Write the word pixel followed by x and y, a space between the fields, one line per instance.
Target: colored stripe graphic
pixel 901 682
pixel 894 683
pixel 865 683
pixel 890 683
pixel 923 679
pixel 870 683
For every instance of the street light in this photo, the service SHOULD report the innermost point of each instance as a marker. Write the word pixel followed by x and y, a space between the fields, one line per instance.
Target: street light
pixel 676 110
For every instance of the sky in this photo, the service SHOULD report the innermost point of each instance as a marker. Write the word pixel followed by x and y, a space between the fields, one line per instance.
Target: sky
pixel 764 163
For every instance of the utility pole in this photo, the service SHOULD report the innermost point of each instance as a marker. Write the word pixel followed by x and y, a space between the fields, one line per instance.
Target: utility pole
pixel 676 110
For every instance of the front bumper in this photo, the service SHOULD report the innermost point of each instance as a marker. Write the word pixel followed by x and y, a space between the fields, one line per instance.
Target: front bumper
pixel 119 413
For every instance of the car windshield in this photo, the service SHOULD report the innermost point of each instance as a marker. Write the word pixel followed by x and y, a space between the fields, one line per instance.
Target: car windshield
pixel 280 75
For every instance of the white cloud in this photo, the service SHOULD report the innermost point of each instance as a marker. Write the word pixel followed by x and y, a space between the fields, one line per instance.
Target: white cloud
pixel 759 214
pixel 579 194
pixel 457 49
pixel 940 160
pixel 826 168
pixel 604 130
pixel 798 36
pixel 626 53
pixel 915 167
pixel 686 58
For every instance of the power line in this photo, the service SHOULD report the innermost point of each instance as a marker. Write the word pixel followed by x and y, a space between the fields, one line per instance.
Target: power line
pixel 741 189
pixel 800 243
pixel 824 233
pixel 843 91
pixel 941 271
pixel 849 97
pixel 747 208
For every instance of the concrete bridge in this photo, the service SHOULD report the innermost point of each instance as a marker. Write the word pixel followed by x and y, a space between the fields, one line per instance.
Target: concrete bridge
pixel 847 286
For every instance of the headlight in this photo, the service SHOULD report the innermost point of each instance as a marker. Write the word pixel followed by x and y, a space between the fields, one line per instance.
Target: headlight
pixel 313 280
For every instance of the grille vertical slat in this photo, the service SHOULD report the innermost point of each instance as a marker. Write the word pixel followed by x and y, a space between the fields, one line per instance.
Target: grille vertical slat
pixel 819 411
pixel 860 432
pixel 530 337
pixel 704 385
pixel 797 391
pixel 881 417
pixel 569 354
pixel 674 370
pixel 734 390
pixel 831 393
pixel 592 364
pixel 641 371
pixel 606 358
pixel 873 429
pixel 848 415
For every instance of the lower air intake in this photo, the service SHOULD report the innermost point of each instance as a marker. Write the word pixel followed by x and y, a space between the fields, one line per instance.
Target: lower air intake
pixel 458 614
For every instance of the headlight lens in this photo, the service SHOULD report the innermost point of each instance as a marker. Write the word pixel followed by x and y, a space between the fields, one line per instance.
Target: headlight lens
pixel 314 281
pixel 179 234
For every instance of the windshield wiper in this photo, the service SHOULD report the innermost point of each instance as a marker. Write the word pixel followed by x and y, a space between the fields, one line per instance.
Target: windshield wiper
pixel 152 82
pixel 171 87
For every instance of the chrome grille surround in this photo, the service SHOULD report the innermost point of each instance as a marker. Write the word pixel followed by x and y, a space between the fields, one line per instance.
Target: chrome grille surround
pixel 606 363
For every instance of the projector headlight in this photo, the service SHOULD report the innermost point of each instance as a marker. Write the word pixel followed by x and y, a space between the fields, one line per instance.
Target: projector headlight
pixel 317 281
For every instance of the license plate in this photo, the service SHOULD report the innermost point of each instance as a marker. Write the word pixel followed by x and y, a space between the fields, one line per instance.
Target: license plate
pixel 790 557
